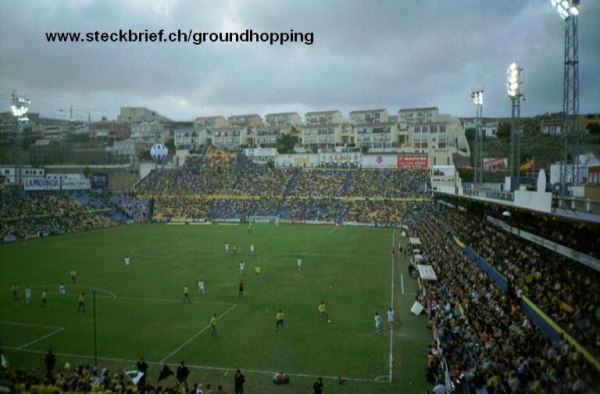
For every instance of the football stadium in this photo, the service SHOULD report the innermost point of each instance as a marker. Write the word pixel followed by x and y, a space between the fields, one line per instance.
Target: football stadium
pixel 264 240
pixel 282 197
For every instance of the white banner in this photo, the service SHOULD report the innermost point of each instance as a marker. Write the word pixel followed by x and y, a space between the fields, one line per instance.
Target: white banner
pixel 41 184
pixel 379 161
pixel 426 272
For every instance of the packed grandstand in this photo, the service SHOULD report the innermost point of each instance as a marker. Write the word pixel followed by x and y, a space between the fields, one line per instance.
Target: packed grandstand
pixel 484 339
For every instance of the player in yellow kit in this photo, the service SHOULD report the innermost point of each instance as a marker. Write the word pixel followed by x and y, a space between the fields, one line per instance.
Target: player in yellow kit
pixel 81 302
pixel 279 320
pixel 323 311
pixel 186 294
pixel 213 325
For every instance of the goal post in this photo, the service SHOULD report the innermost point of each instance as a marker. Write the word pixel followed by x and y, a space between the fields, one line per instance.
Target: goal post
pixel 263 219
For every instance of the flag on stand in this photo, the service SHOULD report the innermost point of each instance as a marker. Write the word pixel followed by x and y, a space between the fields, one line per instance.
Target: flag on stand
pixel 134 375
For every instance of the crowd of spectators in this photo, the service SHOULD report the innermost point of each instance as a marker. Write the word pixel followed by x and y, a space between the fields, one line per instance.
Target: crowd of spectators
pixel 489 345
pixel 89 379
pixel 136 209
pixel 577 235
pixel 240 208
pixel 566 290
pixel 319 183
pixel 34 215
pixel 238 187
pixel 322 209
pixel 180 206
pixel 254 179
pixel 388 183
pixel 380 212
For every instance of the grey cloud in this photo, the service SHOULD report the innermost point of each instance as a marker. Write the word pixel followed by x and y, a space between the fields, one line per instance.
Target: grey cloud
pixel 366 54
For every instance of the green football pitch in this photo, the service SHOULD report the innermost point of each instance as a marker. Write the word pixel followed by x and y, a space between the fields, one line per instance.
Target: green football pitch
pixel 139 309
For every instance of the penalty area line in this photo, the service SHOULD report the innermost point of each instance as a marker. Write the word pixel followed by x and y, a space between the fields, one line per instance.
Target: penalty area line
pixel 41 338
pixel 195 336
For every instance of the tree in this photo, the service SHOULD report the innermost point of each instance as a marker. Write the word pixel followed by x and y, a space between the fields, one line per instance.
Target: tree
pixel 470 135
pixel 531 126
pixel 285 144
pixel 503 131
pixel 144 155
pixel 593 128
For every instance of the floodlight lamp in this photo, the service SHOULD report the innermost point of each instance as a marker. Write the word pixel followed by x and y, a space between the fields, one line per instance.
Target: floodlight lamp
pixel 477 97
pixel 18 111
pixel 574 11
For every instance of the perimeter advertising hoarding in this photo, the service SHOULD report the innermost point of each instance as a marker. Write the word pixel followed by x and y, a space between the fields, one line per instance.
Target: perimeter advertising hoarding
pixel 41 184
pixel 99 182
pixel 379 161
pixel 493 163
pixel 413 162
pixel 56 182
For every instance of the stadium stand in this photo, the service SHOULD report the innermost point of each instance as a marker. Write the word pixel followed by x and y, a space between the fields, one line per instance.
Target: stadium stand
pixel 485 340
pixel 235 187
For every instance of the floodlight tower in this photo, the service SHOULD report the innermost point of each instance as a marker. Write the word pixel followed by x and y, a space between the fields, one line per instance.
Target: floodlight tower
pixel 513 88
pixel 477 96
pixel 19 108
pixel 569 11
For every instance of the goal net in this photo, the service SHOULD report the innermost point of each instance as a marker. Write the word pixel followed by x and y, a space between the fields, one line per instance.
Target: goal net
pixel 263 219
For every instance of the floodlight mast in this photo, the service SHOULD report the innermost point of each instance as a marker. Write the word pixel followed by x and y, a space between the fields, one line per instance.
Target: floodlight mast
pixel 19 108
pixel 568 10
pixel 513 88
pixel 477 96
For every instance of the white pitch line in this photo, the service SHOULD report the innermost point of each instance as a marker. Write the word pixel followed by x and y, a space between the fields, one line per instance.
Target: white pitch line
pixel 173 301
pixel 110 293
pixel 391 356
pixel 207 367
pixel 13 323
pixel 42 338
pixel 402 282
pixel 195 335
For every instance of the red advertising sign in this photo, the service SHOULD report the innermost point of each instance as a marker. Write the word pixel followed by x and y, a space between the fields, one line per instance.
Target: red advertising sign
pixel 413 162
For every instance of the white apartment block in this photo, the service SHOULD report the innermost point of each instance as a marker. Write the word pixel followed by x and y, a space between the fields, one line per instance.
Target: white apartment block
pixel 369 116
pixel 153 132
pixel 323 117
pixel 210 122
pixel 409 116
pixel 283 119
pixel 316 136
pixel 266 136
pixel 128 147
pixel 377 135
pixel 438 135
pixel 190 138
pixel 139 114
pixel 230 137
pixel 252 120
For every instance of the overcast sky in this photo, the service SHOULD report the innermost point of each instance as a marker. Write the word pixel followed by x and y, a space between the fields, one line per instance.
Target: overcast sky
pixel 365 55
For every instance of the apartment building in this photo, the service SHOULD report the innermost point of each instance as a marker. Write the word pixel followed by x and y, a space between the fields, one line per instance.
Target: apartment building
pixel 249 121
pixel 283 119
pixel 439 135
pixel 139 114
pixel 369 116
pixel 231 137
